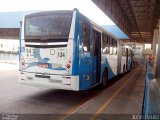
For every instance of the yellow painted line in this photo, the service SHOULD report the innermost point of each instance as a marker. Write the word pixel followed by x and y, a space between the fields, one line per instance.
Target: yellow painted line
pixel 105 105
pixel 73 109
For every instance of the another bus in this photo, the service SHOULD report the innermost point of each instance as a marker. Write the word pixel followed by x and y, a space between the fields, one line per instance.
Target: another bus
pixel 66 50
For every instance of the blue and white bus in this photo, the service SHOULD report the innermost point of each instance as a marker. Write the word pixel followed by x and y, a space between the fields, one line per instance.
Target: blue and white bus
pixel 66 50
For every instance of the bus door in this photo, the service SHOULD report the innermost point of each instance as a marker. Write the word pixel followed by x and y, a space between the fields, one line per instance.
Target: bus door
pixel 126 59
pixel 96 56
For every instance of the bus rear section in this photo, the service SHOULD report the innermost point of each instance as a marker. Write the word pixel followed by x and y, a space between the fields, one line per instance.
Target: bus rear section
pixel 46 56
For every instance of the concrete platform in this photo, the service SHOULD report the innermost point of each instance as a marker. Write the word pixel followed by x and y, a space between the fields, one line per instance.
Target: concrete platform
pixel 124 97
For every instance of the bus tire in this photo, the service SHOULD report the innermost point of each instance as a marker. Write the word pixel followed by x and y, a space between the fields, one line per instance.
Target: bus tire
pixel 105 78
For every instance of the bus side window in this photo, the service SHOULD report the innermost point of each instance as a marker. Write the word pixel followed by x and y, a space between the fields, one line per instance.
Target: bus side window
pixel 96 41
pixel 123 51
pixel 110 46
pixel 105 44
pixel 115 47
pixel 86 36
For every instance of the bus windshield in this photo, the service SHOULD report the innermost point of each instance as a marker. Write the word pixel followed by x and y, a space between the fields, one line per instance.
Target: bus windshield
pixel 52 25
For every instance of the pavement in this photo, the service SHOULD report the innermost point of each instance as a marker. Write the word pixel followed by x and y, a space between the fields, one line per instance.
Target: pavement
pixel 122 96
pixel 5 67
pixel 34 103
pixel 120 100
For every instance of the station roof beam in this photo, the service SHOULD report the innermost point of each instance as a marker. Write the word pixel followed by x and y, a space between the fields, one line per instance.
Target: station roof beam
pixel 137 18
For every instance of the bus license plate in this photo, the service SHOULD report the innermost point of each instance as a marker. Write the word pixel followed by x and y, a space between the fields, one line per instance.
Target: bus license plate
pixel 44 65
pixel 56 81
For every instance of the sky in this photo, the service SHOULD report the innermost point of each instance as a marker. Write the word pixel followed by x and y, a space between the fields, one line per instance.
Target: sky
pixel 87 7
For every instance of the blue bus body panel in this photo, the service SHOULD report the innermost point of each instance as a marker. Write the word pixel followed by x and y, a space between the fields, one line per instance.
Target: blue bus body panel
pixel 84 62
pixel 94 69
pixel 80 60
pixel 85 71
pixel 75 64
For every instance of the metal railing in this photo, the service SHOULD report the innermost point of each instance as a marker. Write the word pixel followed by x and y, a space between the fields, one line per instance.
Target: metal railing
pixel 151 101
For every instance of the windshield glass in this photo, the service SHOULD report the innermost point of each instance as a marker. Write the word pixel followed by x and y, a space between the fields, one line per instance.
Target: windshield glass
pixel 48 25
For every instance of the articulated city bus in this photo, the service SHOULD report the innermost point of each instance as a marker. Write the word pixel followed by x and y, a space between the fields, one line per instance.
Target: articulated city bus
pixel 66 50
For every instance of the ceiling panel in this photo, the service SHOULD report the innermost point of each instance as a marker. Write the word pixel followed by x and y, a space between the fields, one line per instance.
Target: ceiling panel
pixel 142 16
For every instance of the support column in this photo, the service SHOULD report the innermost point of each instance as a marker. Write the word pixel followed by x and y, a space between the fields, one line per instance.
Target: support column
pixel 155 42
pixel 157 68
pixel 155 39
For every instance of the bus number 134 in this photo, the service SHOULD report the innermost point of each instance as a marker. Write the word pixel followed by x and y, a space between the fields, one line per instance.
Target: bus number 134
pixel 61 54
